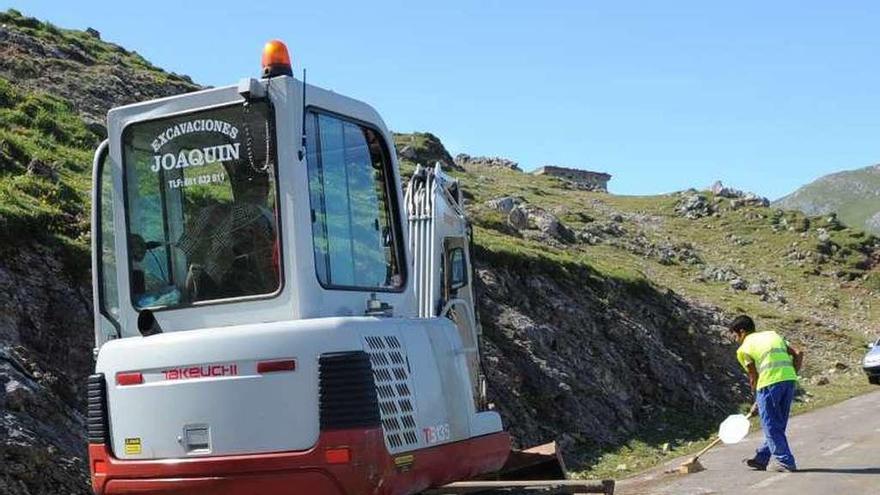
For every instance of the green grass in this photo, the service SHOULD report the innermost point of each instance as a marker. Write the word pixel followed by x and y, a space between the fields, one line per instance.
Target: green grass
pixel 40 126
pixel 829 309
pixel 55 209
pixel 84 45
pixel 832 296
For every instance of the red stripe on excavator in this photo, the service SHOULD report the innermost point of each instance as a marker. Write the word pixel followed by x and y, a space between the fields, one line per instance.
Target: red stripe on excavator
pixel 275 366
pixel 129 378
pixel 371 469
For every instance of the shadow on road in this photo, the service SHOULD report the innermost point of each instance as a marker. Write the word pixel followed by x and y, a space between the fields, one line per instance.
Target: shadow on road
pixel 872 470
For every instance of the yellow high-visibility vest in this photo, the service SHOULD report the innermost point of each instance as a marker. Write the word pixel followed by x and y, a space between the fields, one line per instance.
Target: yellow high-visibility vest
pixel 768 351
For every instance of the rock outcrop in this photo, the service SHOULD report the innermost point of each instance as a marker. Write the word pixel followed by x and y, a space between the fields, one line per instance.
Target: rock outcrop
pixel 77 66
pixel 695 206
pixel 423 148
pixel 583 360
pixel 524 217
pixel 45 356
pixel 464 160
pixel 46 335
pixel 738 198
pixel 582 179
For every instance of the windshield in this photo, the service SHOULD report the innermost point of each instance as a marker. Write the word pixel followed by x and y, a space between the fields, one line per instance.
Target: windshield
pixel 201 207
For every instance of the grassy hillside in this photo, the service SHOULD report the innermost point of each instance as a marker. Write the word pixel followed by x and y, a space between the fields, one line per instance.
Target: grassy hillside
pixel 56 85
pixel 44 167
pixel 603 313
pixel 91 74
pixel 853 194
pixel 809 277
pixel 824 271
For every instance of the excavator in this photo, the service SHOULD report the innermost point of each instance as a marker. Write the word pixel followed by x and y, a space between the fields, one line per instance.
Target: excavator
pixel 274 314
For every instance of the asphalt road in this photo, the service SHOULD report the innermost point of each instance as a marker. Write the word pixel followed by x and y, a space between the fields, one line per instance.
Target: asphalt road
pixel 837 450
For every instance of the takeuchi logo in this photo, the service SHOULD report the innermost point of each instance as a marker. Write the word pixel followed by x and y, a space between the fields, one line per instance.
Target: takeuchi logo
pixel 199 156
pixel 192 372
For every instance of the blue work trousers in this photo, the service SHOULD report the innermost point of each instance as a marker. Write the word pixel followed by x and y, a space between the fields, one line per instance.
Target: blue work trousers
pixel 774 405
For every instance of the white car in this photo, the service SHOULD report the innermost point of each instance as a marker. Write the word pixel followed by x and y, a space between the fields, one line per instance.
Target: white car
pixel 871 364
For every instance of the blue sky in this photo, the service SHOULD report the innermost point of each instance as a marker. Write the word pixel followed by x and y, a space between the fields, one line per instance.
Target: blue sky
pixel 765 96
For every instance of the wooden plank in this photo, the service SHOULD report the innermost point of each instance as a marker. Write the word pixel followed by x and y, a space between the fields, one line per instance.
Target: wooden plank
pixel 539 462
pixel 560 486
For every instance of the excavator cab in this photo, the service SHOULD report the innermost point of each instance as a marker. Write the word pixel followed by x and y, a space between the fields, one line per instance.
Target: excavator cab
pixel 273 315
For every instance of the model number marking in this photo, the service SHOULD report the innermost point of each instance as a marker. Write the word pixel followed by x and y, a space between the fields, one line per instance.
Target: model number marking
pixel 437 433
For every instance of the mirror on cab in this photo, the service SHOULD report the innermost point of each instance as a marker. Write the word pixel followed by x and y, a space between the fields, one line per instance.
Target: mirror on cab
pixel 457 270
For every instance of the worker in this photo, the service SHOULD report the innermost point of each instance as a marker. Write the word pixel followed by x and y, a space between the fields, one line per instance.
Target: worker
pixel 773 366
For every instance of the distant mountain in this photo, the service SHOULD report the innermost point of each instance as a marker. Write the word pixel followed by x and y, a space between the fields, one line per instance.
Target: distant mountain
pixel 853 194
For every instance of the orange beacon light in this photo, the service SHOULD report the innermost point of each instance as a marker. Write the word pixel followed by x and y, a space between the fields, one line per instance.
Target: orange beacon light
pixel 276 60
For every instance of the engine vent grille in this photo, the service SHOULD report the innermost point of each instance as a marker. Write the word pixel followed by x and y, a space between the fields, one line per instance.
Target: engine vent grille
pixel 393 386
pixel 96 412
pixel 348 394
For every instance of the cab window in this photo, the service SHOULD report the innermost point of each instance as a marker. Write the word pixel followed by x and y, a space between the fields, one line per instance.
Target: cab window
pixel 108 295
pixel 201 204
pixel 354 231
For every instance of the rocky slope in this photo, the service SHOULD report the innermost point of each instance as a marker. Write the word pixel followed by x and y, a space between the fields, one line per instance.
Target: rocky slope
pixel 55 87
pixel 854 195
pixel 91 74
pixel 602 314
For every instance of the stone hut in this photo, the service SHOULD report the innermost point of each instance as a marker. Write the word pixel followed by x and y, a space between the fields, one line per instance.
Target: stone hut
pixel 592 181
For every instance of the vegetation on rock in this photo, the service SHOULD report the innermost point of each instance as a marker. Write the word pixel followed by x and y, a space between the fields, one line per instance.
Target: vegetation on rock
pixel 45 157
pixel 603 314
pixel 669 276
pixel 853 195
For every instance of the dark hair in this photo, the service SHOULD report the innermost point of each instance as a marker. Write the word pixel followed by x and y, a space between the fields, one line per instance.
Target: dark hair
pixel 742 323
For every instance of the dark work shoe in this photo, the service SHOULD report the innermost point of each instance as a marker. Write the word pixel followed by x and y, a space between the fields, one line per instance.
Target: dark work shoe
pixel 782 468
pixel 757 466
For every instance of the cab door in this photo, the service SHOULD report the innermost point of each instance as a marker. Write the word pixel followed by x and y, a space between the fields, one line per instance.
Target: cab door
pixel 459 306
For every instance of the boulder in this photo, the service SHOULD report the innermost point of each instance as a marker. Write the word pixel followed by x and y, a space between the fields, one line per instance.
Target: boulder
pixel 757 289
pixel 39 168
pixel 738 198
pixel 503 204
pixel 694 206
pixel 465 160
pixel 752 199
pixel 18 397
pixel 518 219
pixel 527 217
pixel 719 274
pixel 407 152
pixel 719 189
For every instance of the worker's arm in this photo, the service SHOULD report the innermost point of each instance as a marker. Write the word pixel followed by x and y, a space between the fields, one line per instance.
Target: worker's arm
pixel 797 357
pixel 753 375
